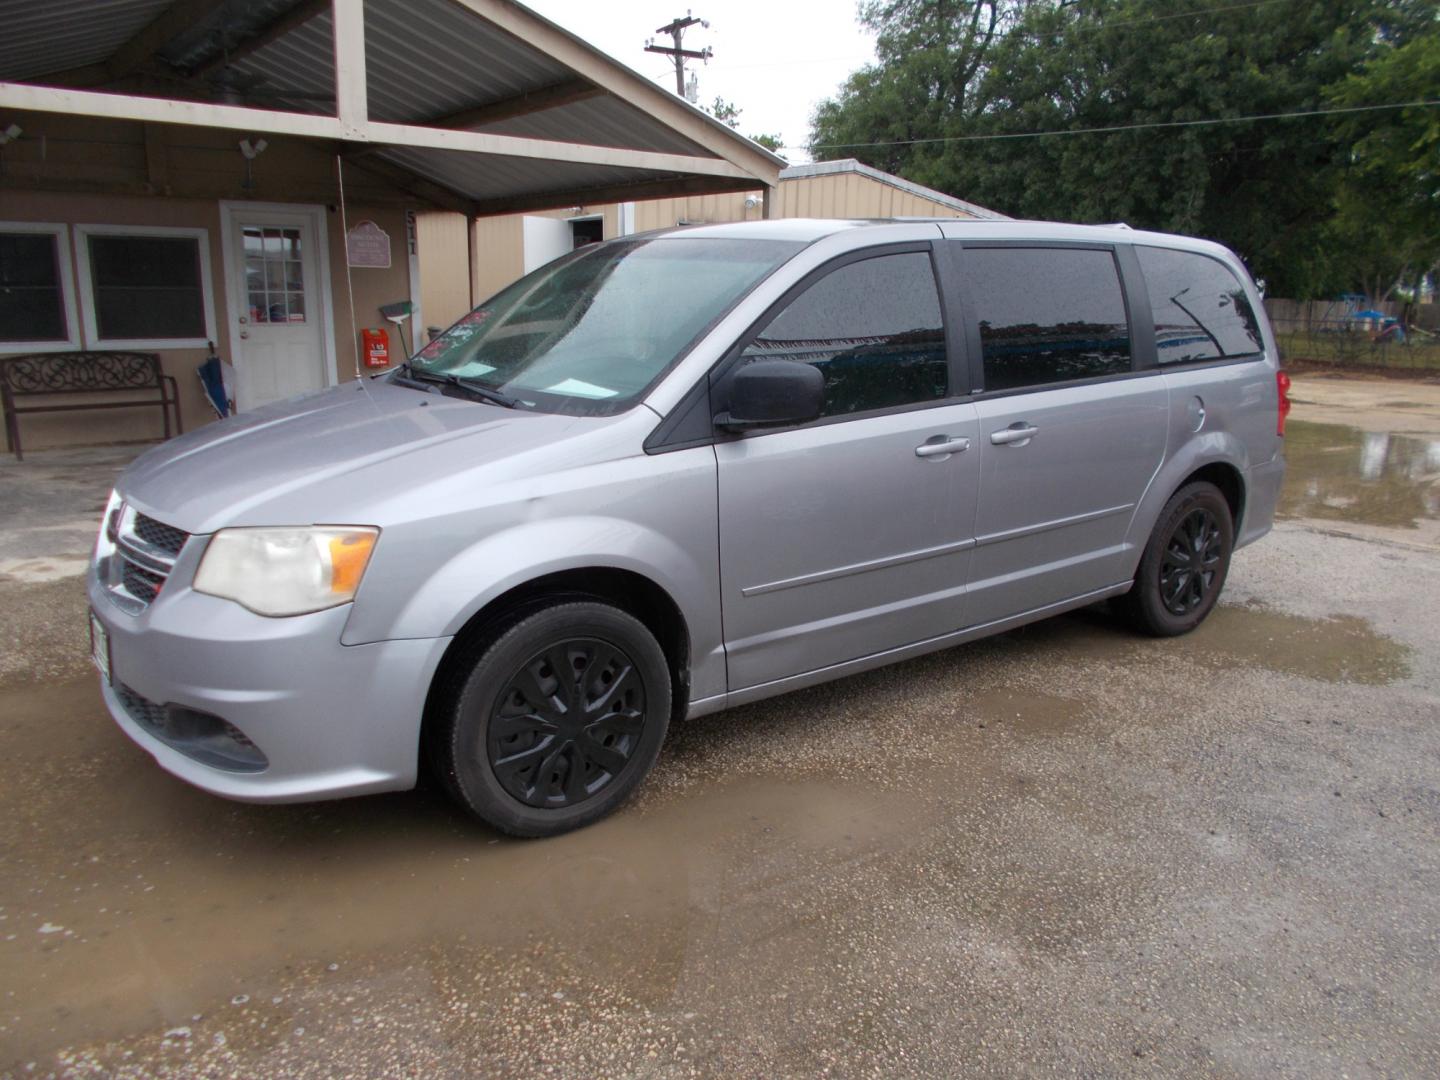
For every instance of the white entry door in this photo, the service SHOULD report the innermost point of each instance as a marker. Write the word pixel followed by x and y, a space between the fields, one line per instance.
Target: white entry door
pixel 277 297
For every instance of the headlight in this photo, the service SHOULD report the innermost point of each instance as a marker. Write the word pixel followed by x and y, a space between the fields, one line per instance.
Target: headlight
pixel 286 571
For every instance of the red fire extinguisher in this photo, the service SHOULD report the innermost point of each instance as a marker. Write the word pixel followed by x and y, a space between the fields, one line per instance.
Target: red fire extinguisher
pixel 376 347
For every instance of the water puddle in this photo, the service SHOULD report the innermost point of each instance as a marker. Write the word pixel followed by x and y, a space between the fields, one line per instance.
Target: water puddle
pixel 1339 473
pixel 115 872
pixel 1341 648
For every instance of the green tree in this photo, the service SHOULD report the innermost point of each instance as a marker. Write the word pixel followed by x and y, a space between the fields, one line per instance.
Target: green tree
pixel 1388 198
pixel 930 57
pixel 728 113
pixel 1267 188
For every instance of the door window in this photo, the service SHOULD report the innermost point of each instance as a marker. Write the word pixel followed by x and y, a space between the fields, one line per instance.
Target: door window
pixel 1047 315
pixel 274 278
pixel 1200 308
pixel 873 328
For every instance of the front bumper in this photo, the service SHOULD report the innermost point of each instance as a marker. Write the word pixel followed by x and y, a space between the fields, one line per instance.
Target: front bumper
pixel 331 720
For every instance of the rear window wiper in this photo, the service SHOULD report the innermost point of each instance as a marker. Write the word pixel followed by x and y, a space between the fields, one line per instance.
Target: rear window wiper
pixel 471 386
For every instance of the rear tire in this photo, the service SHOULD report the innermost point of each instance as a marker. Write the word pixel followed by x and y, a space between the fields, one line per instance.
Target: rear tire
pixel 556 721
pixel 1184 565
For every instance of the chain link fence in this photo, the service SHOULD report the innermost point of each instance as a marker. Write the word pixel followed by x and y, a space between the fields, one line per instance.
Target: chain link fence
pixel 1335 334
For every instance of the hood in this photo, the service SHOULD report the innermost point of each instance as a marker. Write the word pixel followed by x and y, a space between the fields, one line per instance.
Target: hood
pixel 312 459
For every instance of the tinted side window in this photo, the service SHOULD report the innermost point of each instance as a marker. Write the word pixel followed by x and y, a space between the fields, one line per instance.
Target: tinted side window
pixel 872 327
pixel 1200 308
pixel 1046 314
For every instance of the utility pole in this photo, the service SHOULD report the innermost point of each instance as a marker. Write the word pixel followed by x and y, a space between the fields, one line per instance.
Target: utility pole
pixel 676 29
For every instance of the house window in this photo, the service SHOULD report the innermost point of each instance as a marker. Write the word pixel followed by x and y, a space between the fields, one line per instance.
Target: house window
pixel 145 287
pixel 37 297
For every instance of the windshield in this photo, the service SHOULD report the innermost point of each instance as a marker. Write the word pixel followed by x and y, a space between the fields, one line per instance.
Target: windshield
pixel 590 332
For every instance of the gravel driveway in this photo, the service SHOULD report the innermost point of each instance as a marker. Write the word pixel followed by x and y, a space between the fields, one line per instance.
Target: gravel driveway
pixel 1065 850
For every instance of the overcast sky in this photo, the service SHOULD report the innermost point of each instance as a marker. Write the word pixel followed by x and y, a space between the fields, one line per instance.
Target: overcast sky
pixel 775 59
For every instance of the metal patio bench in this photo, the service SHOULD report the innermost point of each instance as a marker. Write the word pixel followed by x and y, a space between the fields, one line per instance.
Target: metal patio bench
pixel 52 375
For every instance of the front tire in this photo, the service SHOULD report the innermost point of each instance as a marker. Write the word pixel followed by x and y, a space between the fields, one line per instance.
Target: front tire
pixel 1185 563
pixel 557 721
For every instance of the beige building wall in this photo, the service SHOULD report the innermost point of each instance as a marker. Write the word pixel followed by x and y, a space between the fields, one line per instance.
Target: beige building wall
pixel 79 171
pixel 500 248
pixel 445 270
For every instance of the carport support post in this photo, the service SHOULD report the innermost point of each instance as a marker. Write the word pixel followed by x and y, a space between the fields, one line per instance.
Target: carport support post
pixel 769 202
pixel 472 249
pixel 352 106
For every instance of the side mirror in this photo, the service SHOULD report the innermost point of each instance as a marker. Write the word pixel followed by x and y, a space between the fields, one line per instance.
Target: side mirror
pixel 772 393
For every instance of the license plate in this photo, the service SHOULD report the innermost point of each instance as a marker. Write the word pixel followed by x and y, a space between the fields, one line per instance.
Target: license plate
pixel 100 646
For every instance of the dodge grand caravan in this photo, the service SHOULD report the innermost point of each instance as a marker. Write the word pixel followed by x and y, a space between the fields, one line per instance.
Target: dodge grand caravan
pixel 677 472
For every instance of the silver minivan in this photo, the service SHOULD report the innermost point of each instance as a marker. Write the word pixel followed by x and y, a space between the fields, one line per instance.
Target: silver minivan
pixel 677 472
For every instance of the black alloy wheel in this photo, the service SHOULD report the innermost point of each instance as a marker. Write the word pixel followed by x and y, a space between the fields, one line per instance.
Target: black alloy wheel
pixel 1191 562
pixel 551 720
pixel 567 723
pixel 1182 569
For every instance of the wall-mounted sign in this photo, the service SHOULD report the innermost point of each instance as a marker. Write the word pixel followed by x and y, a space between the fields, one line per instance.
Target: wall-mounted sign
pixel 368 245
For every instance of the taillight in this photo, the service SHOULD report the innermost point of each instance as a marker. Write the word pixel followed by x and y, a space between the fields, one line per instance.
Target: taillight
pixel 1282 385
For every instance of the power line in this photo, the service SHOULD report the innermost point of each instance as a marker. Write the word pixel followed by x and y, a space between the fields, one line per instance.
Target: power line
pixel 1102 24
pixel 1097 24
pixel 1129 127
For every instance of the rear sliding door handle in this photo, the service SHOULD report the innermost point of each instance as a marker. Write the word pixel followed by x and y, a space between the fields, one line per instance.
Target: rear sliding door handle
pixel 1016 433
pixel 942 446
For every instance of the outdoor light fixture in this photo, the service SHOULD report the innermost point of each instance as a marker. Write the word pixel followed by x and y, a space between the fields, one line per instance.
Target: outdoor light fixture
pixel 8 135
pixel 251 151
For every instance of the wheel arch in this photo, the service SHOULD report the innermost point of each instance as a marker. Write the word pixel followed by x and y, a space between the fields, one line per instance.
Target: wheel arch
pixel 628 590
pixel 1217 460
pixel 1230 481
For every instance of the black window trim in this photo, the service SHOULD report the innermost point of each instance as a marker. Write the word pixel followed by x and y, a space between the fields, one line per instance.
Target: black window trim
pixel 1144 290
pixel 681 427
pixel 1126 268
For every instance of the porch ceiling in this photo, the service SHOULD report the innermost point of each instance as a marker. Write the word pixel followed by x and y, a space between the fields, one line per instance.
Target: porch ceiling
pixel 432 70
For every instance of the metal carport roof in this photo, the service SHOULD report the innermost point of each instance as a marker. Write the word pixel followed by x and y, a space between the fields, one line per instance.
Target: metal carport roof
pixel 478 105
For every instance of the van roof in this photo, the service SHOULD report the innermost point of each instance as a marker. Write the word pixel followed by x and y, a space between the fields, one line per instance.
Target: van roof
pixel 808 230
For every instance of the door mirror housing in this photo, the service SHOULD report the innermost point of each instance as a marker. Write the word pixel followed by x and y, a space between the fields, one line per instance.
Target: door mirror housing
pixel 773 393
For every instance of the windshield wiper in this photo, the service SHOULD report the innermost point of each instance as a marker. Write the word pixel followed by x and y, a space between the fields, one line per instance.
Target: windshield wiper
pixel 480 390
pixel 469 385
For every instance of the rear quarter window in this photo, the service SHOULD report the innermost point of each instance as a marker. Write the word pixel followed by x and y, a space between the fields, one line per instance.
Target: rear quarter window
pixel 1200 308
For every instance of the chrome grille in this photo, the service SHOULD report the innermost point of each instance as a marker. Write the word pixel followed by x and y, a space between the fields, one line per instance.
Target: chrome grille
pixel 143 584
pixel 134 556
pixel 158 534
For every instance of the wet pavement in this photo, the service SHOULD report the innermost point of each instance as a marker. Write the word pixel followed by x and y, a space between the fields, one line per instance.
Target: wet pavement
pixel 1062 850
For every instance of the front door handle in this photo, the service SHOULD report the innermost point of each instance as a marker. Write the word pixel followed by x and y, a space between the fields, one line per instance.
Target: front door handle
pixel 1016 433
pixel 943 445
